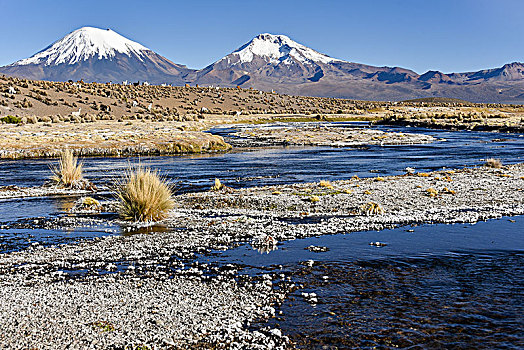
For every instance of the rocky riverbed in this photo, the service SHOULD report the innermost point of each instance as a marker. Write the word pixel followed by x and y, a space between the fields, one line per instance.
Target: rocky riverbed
pixel 323 135
pixel 149 289
pixel 300 210
pixel 41 191
pixel 130 291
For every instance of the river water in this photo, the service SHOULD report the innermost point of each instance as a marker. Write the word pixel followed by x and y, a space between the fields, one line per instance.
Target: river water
pixel 432 286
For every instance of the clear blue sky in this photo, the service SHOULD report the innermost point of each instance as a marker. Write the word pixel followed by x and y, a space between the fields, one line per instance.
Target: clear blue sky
pixel 445 35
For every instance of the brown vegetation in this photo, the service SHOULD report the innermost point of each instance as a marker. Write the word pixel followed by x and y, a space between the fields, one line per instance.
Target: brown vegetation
pixel 493 163
pixel 69 172
pixel 144 196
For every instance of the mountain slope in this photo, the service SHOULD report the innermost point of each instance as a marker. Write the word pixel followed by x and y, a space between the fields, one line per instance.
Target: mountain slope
pixel 267 62
pixel 277 59
pixel 94 54
pixel 275 62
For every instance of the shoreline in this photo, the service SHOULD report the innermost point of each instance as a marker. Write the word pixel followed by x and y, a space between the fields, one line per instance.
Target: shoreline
pixel 117 138
pixel 452 124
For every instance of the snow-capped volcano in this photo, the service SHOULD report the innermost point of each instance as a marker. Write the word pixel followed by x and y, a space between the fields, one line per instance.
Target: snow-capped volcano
pixel 101 55
pixel 83 44
pixel 268 57
pixel 276 49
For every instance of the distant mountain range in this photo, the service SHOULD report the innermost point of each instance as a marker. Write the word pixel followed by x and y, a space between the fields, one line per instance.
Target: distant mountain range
pixel 267 62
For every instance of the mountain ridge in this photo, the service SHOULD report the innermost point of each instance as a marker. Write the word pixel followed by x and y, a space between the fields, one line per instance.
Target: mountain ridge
pixel 267 62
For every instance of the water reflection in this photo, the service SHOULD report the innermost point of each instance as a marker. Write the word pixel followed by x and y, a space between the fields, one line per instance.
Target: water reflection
pixel 265 244
pixel 432 286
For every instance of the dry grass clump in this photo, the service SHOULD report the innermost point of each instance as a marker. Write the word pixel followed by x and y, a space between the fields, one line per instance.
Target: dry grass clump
pixel 85 204
pixel 69 172
pixel 493 163
pixel 448 191
pixel 326 184
pixel 314 199
pixel 217 185
pixel 144 196
pixel 371 208
pixel 431 192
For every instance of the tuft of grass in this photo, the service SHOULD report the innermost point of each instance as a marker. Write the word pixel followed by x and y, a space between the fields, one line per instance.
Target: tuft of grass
pixel 314 199
pixel 217 185
pixel 493 163
pixel 89 203
pixel 371 208
pixel 326 184
pixel 448 191
pixel 69 172
pixel 423 174
pixel 144 196
pixel 432 192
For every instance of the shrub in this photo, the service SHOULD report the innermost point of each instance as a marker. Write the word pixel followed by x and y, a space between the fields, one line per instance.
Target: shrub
pixel 11 120
pixel 69 172
pixel 44 119
pixel 493 163
pixel 144 196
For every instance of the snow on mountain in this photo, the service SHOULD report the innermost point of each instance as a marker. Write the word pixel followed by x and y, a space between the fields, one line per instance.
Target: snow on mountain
pixel 101 55
pixel 82 44
pixel 275 49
